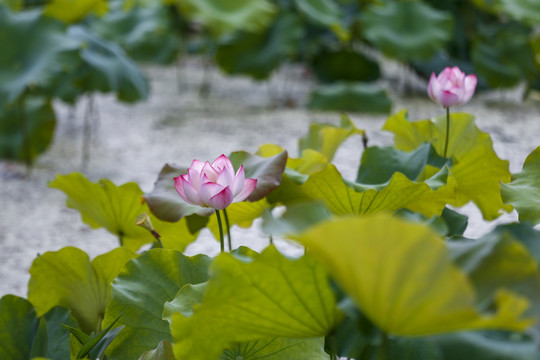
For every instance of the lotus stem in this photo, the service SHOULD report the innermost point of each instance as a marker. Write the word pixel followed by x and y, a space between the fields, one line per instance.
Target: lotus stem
pixel 447 131
pixel 228 229
pixel 220 226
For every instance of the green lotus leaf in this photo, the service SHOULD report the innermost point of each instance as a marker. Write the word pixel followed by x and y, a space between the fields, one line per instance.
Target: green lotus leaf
pixel 143 287
pixel 221 17
pixel 341 198
pixel 164 351
pixel 254 299
pixel 68 278
pixel 71 11
pixel 344 65
pixel 35 51
pixel 164 201
pixel 105 67
pixel 407 30
pixel 401 277
pixel 354 96
pixel 14 5
pixel 498 260
pixel 19 330
pixel 326 138
pixel 523 192
pixel 26 129
pixel 259 54
pixel 144 32
pixel 477 169
pixel 267 171
pixel 504 57
pixel 115 208
pixel 298 217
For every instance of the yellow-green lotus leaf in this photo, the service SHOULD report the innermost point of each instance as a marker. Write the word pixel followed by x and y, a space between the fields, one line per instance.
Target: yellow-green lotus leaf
pixel 265 296
pixel 476 167
pixel 116 208
pixel 70 11
pixel 398 193
pixel 400 275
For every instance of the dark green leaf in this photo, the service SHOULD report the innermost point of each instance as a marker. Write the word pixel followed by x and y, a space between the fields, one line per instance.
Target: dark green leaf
pixel 164 351
pixel 35 50
pixel 106 68
pixel 358 97
pixel 407 30
pixel 298 217
pixel 344 65
pixel 40 342
pixel 259 54
pixel 26 129
pixel 93 342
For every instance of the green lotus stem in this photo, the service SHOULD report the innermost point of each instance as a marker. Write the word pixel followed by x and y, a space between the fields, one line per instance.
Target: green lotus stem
pixel 382 350
pixel 220 226
pixel 447 131
pixel 228 229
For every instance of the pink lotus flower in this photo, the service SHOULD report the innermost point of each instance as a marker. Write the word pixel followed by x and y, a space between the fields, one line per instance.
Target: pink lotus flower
pixel 214 185
pixel 451 87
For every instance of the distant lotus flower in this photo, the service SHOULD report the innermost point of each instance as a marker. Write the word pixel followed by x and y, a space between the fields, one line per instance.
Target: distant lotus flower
pixel 214 185
pixel 451 87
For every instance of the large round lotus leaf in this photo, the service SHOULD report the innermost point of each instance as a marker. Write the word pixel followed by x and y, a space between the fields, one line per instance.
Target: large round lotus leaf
pixel 505 57
pixel 35 50
pixel 26 129
pixel 225 16
pixel 527 11
pixel 323 12
pixel 407 30
pixel 259 54
pixel 71 11
pixel 360 97
pixel 401 277
pixel 107 68
pixel 346 65
pixel 143 287
pixel 256 298
pixel 144 32
pixel 68 278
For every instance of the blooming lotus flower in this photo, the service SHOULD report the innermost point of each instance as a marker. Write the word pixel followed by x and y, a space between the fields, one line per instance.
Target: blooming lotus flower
pixel 451 87
pixel 214 185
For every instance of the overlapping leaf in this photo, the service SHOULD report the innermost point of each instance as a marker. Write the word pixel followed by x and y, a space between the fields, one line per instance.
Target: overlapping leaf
pixel 399 192
pixel 523 192
pixel 344 65
pixel 68 278
pixel 19 329
pixel 477 169
pixel 249 300
pixel 407 30
pixel 144 286
pixel 115 208
pixel 164 351
pixel 400 275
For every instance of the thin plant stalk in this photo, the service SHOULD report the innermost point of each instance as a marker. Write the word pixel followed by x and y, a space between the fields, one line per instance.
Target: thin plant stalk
pixel 220 226
pixel 228 229
pixel 447 131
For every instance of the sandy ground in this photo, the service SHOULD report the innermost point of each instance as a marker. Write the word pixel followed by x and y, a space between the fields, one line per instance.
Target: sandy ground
pixel 133 142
